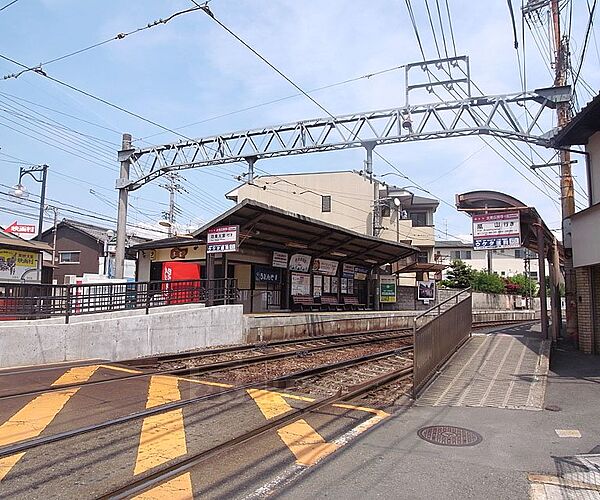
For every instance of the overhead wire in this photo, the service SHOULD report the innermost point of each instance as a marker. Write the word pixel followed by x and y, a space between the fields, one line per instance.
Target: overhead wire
pixel 8 5
pixel 437 48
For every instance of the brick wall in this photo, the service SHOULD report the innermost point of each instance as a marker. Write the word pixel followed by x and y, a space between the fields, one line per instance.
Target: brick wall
pixel 596 306
pixel 584 309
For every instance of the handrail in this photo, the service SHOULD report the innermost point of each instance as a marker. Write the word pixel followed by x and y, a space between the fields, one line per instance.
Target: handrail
pixel 441 303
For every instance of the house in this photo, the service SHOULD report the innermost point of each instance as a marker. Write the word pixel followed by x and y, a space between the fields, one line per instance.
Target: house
pixel 350 200
pixel 81 248
pixel 505 263
pixel 584 240
pixel 22 261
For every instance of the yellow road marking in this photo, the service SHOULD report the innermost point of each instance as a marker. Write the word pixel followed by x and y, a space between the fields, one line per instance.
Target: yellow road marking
pixel 163 439
pixel 270 403
pixel 305 443
pixel 34 417
pixel 120 369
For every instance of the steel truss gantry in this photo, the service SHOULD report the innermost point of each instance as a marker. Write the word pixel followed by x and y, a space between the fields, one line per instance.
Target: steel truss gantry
pixel 499 116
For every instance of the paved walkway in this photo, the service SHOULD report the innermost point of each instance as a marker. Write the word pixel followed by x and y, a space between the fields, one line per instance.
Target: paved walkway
pixel 496 370
pixel 522 453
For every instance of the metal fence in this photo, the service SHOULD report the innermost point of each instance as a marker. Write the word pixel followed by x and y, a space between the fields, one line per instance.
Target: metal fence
pixel 438 333
pixel 33 301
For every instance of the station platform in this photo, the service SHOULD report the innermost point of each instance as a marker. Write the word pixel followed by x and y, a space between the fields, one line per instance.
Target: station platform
pixel 544 451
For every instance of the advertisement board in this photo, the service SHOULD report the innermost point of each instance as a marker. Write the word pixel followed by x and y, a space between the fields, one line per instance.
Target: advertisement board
pixel 280 259
pixel 426 290
pixel 300 284
pixel 300 262
pixel 387 289
pixel 265 274
pixel 348 270
pixel 222 239
pixel 181 292
pixel 325 266
pixel 497 231
pixel 17 228
pixel 15 264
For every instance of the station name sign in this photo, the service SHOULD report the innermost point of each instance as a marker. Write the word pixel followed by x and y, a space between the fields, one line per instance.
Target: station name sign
pixel 497 231
pixel 222 239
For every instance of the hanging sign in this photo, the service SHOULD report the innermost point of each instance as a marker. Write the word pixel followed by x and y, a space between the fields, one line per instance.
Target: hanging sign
pixel 300 262
pixel 222 239
pixel 324 266
pixel 17 228
pixel 387 289
pixel 496 231
pixel 280 259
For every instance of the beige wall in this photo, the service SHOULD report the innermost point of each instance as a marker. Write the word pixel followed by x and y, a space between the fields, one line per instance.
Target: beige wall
pixel 505 264
pixel 593 148
pixel 586 237
pixel 351 202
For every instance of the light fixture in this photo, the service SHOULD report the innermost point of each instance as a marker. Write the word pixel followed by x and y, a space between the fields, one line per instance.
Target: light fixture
pixel 164 223
pixel 397 201
pixel 293 244
pixel 110 234
pixel 338 254
pixel 371 261
pixel 20 191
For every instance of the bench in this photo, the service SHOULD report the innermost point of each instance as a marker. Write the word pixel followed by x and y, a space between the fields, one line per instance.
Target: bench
pixel 330 303
pixel 352 302
pixel 304 303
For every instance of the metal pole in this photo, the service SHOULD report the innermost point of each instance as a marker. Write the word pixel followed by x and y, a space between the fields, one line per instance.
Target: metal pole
pixel 55 210
pixel 541 251
pixel 251 161
pixel 398 224
pixel 171 203
pixel 42 201
pixel 563 111
pixel 122 183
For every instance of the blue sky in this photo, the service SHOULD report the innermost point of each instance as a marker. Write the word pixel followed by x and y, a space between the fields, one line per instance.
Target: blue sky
pixel 191 71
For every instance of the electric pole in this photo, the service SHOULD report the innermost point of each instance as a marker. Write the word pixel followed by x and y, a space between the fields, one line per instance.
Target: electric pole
pixel 122 183
pixel 172 186
pixel 566 179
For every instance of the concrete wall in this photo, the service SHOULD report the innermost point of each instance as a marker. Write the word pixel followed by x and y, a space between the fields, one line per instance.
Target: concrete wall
pixel 119 336
pixel 490 301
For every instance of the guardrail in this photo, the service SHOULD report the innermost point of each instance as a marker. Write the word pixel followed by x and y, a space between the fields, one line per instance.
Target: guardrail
pixel 35 301
pixel 438 333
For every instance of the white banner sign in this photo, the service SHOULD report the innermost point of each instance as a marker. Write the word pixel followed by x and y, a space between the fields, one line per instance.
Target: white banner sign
pixel 497 230
pixel 280 259
pixel 324 266
pixel 222 239
pixel 300 284
pixel 300 262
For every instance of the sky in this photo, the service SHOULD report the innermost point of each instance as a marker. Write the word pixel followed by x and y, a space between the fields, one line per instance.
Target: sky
pixel 191 76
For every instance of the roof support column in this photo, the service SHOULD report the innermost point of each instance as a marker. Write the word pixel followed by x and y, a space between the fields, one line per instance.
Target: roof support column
pixel 541 251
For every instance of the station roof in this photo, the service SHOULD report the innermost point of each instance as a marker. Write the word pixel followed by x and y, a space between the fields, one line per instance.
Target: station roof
pixel 477 202
pixel 264 227
pixel 14 241
pixel 583 125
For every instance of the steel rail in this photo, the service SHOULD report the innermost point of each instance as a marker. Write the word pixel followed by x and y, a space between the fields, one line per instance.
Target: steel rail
pixel 210 367
pixel 28 444
pixel 166 473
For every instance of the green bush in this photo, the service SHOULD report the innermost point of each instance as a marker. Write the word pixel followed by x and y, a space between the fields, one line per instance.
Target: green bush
pixel 484 282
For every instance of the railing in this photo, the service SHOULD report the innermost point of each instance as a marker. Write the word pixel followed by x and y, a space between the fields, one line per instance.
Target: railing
pixel 438 333
pixel 32 301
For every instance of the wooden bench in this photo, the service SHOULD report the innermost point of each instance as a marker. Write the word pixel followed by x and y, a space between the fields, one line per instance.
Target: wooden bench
pixel 330 303
pixel 352 302
pixel 304 303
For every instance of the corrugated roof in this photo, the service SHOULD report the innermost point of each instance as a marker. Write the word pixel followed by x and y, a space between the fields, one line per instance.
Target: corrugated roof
pixel 581 127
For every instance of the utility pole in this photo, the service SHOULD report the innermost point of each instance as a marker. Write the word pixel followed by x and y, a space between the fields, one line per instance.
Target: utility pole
pixel 55 210
pixel 122 185
pixel 173 186
pixel 566 179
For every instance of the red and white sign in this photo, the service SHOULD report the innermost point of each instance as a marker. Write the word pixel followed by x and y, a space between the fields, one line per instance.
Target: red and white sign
pixel 222 239
pixel 497 230
pixel 17 228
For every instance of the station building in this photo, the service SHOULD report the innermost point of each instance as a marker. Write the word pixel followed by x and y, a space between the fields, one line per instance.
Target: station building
pixel 584 240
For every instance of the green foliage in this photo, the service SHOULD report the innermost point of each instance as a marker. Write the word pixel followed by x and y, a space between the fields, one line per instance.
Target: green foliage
pixel 459 275
pixel 484 282
pixel 521 285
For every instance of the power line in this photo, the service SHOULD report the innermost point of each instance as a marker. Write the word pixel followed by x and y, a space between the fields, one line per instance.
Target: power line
pixel 414 25
pixel 8 5
pixel 451 28
pixel 585 41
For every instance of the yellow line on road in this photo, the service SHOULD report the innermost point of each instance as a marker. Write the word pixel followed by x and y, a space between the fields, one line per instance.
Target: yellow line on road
pixel 35 416
pixel 271 404
pixel 163 439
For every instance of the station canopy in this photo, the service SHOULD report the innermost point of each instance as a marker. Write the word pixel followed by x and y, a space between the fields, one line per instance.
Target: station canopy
pixel 267 228
pixel 477 202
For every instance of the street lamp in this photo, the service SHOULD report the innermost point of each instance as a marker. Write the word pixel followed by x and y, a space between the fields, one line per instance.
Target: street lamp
pixel 110 234
pixel 400 197
pixel 20 191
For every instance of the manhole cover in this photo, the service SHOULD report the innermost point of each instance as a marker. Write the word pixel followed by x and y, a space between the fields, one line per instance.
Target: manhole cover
pixel 448 435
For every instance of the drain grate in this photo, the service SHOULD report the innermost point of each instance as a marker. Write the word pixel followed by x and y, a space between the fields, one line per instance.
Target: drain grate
pixel 448 435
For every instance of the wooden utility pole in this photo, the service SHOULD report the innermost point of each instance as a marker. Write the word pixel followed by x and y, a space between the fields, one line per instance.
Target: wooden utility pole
pixel 566 179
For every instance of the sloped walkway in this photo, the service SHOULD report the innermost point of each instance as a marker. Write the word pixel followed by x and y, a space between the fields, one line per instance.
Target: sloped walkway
pixel 498 370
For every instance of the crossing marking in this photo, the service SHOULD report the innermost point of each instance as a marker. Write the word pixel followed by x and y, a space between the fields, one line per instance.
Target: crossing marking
pixel 271 404
pixel 35 416
pixel 163 439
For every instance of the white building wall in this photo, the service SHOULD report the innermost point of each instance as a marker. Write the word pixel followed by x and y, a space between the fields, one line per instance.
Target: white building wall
pixel 593 148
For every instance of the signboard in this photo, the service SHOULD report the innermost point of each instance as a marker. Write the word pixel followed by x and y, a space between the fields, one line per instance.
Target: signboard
pixel 426 290
pixel 498 230
pixel 300 284
pixel 266 274
pixel 360 273
pixel 317 286
pixel 280 259
pixel 15 264
pixel 222 239
pixel 17 228
pixel 348 271
pixel 300 262
pixel 324 266
pixel 387 289
pixel 334 284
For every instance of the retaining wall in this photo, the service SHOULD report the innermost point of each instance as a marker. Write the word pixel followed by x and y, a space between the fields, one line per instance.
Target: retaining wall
pixel 120 335
pixel 490 301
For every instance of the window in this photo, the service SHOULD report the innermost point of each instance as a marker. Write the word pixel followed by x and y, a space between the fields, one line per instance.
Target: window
pixel 422 257
pixel 419 219
pixel 68 257
pixel 466 255
pixel 455 254
pixel 326 203
pixel 519 254
pixel 533 275
pixel 460 254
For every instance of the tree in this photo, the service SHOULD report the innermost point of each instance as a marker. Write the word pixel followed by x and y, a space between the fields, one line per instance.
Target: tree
pixel 459 275
pixel 482 281
pixel 520 284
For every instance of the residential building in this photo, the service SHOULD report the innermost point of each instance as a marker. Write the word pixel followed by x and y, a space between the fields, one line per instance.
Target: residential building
pixel 347 199
pixel 81 248
pixel 505 263
pixel 22 261
pixel 583 239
